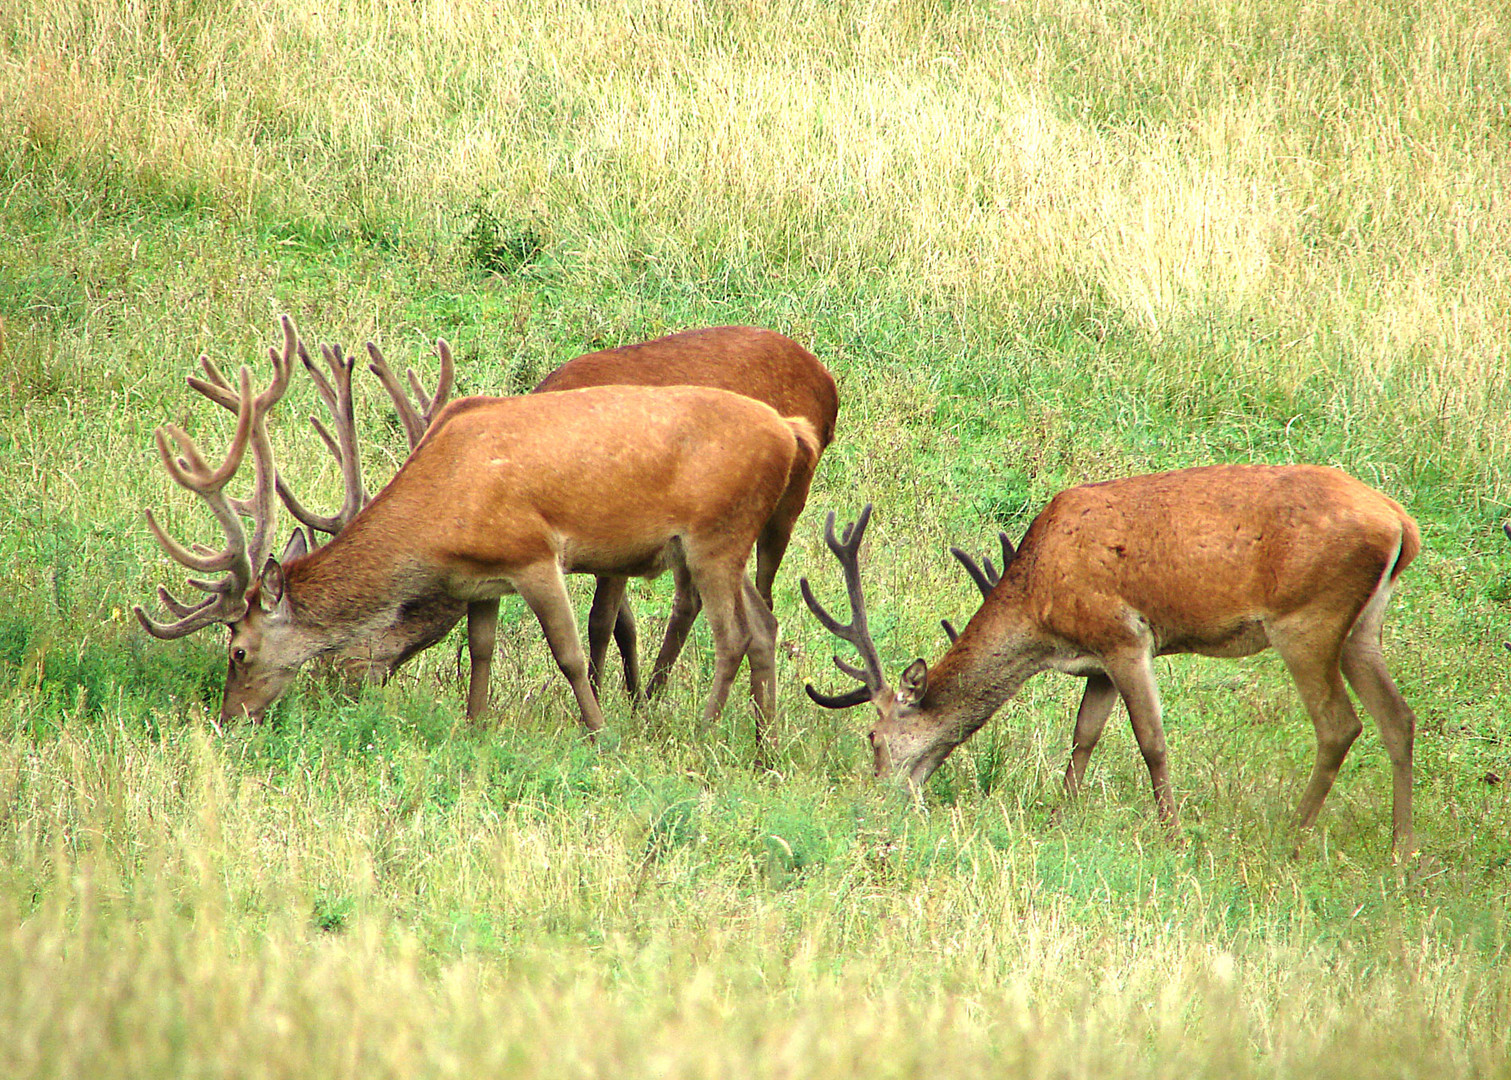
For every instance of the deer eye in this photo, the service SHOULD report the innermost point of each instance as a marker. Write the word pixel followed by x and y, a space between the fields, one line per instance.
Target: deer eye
pixel 238 655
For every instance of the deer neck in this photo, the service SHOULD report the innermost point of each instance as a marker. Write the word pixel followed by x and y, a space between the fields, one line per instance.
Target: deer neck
pixel 352 590
pixel 988 664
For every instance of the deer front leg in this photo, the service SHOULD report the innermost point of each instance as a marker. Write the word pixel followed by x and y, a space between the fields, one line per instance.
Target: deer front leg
pixel 482 631
pixel 1096 706
pixel 1133 675
pixel 545 591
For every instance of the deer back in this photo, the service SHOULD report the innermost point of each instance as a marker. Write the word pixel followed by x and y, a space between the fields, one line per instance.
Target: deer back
pixel 757 363
pixel 1199 553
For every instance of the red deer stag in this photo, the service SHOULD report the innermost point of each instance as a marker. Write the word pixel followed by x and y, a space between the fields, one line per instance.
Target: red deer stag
pixel 1224 560
pixel 501 495
pixel 423 625
pixel 756 363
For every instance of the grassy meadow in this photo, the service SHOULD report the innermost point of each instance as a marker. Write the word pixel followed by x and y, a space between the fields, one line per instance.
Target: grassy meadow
pixel 1038 242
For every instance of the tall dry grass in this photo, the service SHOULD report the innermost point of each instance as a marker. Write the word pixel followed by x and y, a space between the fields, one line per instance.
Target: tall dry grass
pixel 1333 172
pixel 183 922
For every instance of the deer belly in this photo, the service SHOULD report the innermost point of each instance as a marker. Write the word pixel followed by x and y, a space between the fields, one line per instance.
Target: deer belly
pixel 1244 639
pixel 647 560
pixel 1079 664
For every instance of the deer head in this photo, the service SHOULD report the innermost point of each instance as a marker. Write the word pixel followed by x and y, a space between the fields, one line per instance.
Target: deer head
pixel 899 744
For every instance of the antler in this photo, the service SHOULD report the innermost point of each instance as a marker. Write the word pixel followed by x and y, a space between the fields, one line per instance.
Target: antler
pixel 985 577
pixel 847 551
pixel 416 420
pixel 342 445
pixel 227 599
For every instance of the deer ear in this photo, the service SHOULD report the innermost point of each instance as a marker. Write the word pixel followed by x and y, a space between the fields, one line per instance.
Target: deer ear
pixel 296 548
pixel 913 684
pixel 272 583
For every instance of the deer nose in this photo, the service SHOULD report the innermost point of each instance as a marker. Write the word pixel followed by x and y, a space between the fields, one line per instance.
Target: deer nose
pixel 243 712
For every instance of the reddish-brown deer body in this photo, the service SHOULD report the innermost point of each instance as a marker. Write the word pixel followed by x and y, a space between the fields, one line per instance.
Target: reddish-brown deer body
pixel 756 363
pixel 1221 561
pixel 506 495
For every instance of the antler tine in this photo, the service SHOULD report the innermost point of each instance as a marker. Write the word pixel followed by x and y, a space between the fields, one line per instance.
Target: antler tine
pixel 336 392
pixel 283 366
pixel 415 420
pixel 215 386
pixel 227 599
pixel 195 617
pixel 175 607
pixel 327 395
pixel 442 383
pixel 856 632
pixel 261 507
pixel 858 696
pixel 985 576
pixel 191 471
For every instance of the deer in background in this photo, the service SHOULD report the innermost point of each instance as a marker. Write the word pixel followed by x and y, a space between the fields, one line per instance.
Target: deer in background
pixel 756 363
pixel 501 495
pixel 1224 560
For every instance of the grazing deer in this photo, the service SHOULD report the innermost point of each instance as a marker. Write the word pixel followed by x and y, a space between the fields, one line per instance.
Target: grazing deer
pixel 501 495
pixel 759 364
pixel 1224 560
pixel 756 363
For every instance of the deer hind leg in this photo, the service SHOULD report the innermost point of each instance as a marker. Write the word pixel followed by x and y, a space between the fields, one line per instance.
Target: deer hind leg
pixel 603 624
pixel 771 545
pixel 1364 667
pixel 762 652
pixel 627 637
pixel 1132 673
pixel 1312 654
pixel 685 607
pixel 724 600
pixel 544 589
pixel 1096 706
pixel 482 632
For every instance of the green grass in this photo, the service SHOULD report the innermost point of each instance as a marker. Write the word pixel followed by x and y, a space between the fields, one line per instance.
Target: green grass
pixel 1037 245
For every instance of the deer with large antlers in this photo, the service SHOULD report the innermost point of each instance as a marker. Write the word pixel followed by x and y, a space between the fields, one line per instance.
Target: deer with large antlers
pixel 1224 560
pixel 501 495
pixel 756 363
